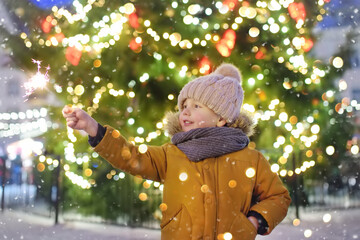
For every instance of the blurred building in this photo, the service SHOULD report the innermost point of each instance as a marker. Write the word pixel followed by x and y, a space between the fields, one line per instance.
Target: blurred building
pixel 21 120
pixel 341 27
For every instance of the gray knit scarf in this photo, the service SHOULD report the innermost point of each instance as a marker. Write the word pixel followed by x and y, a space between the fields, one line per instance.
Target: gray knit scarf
pixel 201 143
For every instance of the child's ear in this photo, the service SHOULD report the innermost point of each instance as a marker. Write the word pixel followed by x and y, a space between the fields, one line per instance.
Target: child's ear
pixel 221 122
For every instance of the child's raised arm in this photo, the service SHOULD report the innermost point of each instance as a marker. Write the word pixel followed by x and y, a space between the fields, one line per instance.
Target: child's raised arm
pixel 78 119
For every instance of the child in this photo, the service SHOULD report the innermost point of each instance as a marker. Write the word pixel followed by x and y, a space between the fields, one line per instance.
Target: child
pixel 215 187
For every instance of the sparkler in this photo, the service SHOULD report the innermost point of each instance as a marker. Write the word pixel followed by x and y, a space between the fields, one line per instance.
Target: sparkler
pixel 38 81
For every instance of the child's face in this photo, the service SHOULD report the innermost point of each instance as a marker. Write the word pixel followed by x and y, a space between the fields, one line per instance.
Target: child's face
pixel 197 115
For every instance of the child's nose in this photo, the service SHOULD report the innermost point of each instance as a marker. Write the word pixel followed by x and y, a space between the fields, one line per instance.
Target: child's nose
pixel 186 111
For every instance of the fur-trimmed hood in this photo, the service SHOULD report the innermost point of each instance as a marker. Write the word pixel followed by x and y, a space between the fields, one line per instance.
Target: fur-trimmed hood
pixel 244 122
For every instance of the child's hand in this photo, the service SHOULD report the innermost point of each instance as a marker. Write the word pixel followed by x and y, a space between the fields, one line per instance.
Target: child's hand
pixel 77 118
pixel 254 221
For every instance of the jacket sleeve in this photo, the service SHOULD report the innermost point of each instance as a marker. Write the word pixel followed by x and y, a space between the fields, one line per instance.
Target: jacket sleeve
pixel 272 199
pixel 150 163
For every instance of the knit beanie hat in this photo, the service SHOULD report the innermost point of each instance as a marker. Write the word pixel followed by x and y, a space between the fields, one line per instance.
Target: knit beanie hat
pixel 220 91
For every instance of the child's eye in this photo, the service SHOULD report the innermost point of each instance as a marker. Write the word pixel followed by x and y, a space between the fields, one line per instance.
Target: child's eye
pixel 184 106
pixel 197 106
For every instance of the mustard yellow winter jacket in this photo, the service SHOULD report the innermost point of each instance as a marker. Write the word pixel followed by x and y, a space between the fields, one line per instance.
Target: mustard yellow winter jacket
pixel 206 199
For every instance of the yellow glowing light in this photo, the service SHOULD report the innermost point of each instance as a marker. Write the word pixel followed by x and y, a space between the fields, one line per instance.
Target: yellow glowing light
pixel 183 176
pixel 40 167
pixel 283 173
pixel 282 160
pixel 296 222
pixel 307 233
pixel 163 207
pixel 143 148
pixel 327 217
pixel 115 134
pixel 129 8
pixel 290 173
pixel 171 96
pixel 338 62
pixel 250 172
pixel 204 188
pixel 66 167
pixel 232 183
pixel 97 63
pixel 254 32
pixel 88 172
pixel 146 185
pixel 79 90
pixel 125 153
pixel 143 196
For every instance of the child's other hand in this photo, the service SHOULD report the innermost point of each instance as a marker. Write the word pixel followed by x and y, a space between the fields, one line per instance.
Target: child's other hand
pixel 254 221
pixel 77 118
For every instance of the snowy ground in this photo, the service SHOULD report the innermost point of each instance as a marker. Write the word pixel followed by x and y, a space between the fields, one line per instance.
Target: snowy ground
pixel 344 225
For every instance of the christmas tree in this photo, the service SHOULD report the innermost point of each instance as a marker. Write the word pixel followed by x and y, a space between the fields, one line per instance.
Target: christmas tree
pixel 124 62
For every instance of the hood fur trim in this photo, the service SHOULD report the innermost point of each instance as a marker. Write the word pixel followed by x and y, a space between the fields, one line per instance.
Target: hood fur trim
pixel 244 122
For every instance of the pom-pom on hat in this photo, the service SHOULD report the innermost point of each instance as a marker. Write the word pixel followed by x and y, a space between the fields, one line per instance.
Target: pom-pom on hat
pixel 220 91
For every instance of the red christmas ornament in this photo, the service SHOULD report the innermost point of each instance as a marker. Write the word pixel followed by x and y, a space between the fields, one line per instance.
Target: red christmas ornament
pixel 134 20
pixel 59 37
pixel 297 11
pixel 308 45
pixel 231 4
pixel 260 55
pixel 46 24
pixel 73 55
pixel 135 46
pixel 227 43
pixel 205 65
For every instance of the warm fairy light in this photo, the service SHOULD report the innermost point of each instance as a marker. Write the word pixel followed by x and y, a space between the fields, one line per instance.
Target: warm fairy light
pixel 204 188
pixel 183 176
pixel 163 207
pixel 227 236
pixel 338 62
pixel 143 148
pixel 250 172
pixel 327 217
pixel 354 149
pixel 307 233
pixel 296 222
pixel 232 183
pixel 330 150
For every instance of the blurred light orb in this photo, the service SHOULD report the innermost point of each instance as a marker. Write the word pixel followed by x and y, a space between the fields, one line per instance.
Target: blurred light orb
pixel 275 167
pixel 79 90
pixel 342 85
pixel 250 172
pixel 254 32
pixel 227 236
pixel 143 148
pixel 327 217
pixel 296 222
pixel 354 149
pixel 315 129
pixel 232 183
pixel 183 176
pixel 330 150
pixel 338 62
pixel 307 233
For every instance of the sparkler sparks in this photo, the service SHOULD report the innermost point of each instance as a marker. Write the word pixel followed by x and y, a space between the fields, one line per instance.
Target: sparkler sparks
pixel 38 81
